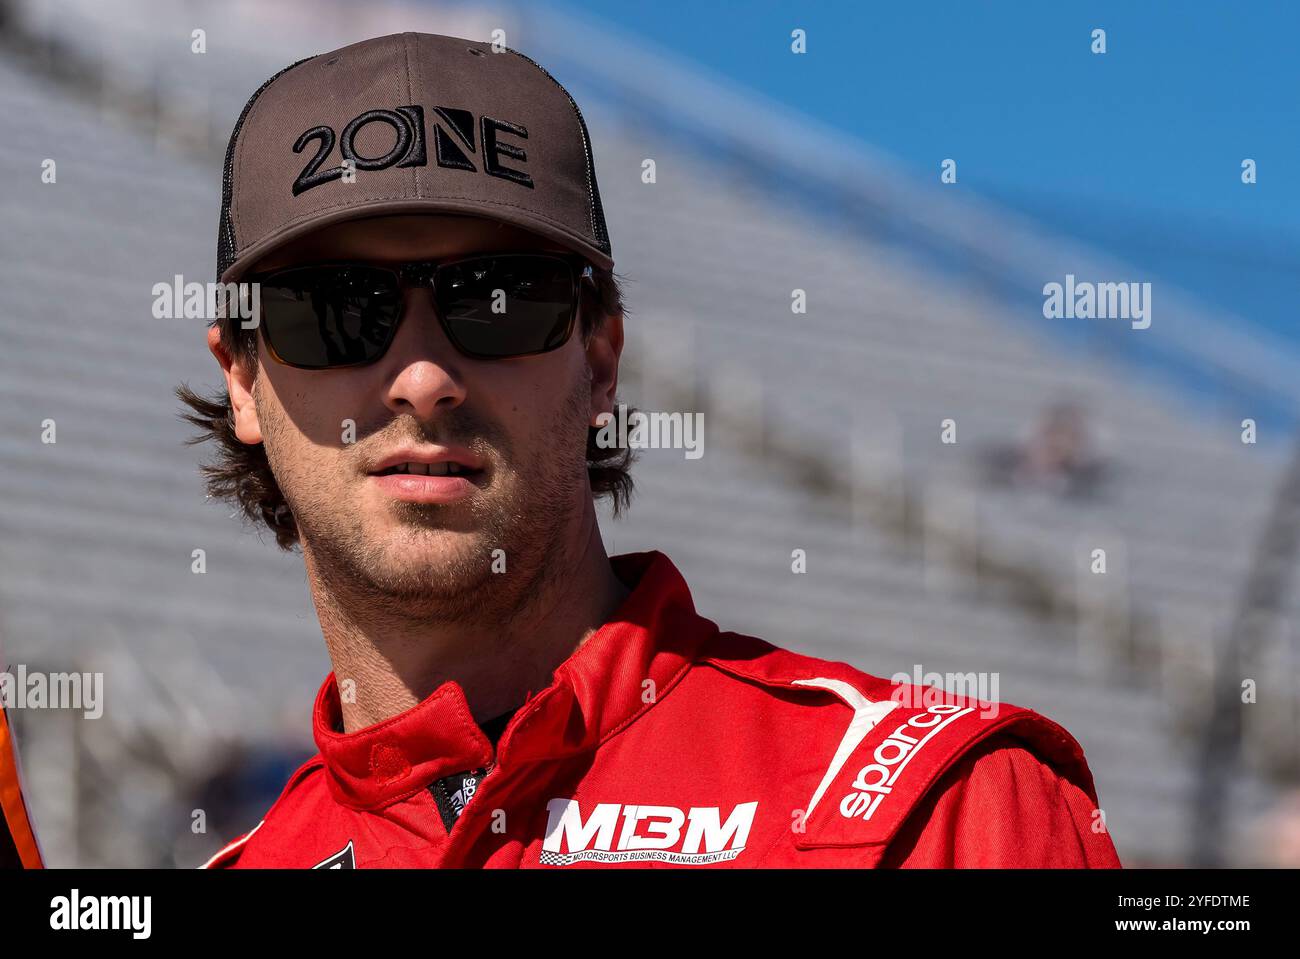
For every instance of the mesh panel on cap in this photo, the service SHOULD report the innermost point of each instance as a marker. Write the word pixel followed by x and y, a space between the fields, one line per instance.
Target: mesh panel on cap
pixel 225 226
pixel 598 230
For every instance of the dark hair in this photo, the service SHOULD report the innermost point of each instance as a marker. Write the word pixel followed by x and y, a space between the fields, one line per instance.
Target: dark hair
pixel 241 473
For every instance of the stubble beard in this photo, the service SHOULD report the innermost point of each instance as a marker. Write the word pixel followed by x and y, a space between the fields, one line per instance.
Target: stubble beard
pixel 440 564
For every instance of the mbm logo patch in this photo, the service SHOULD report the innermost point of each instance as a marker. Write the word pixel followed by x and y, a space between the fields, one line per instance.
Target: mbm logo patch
pixel 648 833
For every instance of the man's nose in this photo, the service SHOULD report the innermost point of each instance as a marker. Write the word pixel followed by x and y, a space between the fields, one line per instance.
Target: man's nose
pixel 424 372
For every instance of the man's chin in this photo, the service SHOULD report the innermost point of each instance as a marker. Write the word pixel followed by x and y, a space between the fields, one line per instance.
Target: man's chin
pixel 429 561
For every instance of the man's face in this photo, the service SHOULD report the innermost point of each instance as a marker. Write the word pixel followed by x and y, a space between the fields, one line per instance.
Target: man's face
pixel 521 424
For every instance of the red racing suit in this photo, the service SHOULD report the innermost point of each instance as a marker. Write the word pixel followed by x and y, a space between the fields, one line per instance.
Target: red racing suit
pixel 663 741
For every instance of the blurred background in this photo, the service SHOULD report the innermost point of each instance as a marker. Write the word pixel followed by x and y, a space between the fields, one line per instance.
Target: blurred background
pixel 775 171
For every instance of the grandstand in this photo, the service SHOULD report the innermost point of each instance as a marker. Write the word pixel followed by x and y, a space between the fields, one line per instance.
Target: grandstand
pixel 823 430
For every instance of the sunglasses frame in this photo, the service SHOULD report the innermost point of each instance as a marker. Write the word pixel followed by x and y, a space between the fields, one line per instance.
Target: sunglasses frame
pixel 423 273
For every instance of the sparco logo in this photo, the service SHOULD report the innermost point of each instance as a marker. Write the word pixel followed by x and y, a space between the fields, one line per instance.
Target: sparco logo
pixel 461 797
pixel 876 779
pixel 453 143
pixel 647 833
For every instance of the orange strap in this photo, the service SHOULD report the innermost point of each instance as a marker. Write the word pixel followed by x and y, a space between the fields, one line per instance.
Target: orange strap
pixel 12 807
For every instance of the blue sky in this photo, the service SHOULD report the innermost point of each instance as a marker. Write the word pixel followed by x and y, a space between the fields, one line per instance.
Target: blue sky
pixel 1138 150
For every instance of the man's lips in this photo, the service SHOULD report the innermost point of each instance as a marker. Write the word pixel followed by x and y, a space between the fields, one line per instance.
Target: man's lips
pixel 428 475
pixel 416 488
pixel 434 460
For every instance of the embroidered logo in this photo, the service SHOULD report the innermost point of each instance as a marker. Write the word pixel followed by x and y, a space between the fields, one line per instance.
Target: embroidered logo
pixel 648 833
pixel 876 779
pixel 453 145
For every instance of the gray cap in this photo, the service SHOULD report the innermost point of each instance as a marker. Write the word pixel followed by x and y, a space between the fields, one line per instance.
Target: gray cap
pixel 409 123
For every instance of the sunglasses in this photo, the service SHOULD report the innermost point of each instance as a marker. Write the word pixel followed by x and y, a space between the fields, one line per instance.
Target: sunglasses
pixel 491 306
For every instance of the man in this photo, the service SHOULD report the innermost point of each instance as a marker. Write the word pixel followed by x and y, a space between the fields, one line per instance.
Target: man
pixel 439 337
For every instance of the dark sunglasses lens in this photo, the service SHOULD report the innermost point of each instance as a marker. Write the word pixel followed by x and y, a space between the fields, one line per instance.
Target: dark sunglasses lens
pixel 509 305
pixel 319 317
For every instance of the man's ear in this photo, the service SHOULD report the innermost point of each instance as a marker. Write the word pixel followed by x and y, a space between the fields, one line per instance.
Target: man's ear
pixel 603 354
pixel 239 385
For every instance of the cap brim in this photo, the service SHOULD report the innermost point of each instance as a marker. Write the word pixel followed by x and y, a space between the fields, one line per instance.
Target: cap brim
pixel 360 211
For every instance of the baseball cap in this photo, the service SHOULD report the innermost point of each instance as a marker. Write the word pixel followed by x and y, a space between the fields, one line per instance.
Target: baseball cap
pixel 408 123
